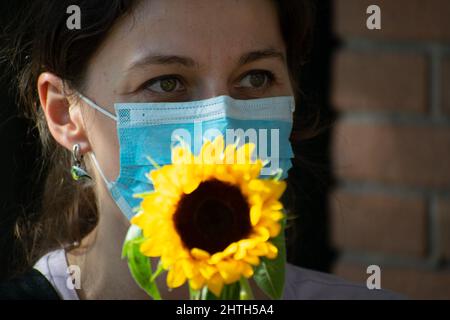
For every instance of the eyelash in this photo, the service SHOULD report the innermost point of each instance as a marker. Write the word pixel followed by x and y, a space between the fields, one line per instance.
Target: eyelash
pixel 271 79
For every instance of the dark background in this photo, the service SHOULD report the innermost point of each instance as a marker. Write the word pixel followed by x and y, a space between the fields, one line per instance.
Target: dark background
pixel 312 177
pixel 19 164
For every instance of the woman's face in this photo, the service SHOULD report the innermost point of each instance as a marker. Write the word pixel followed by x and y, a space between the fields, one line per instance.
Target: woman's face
pixel 178 50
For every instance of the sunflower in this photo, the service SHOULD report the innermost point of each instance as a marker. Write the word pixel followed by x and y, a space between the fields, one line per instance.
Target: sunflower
pixel 210 217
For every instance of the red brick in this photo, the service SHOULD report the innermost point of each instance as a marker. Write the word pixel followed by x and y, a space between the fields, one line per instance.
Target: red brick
pixel 405 155
pixel 445 87
pixel 415 283
pixel 379 223
pixel 400 19
pixel 380 82
pixel 443 208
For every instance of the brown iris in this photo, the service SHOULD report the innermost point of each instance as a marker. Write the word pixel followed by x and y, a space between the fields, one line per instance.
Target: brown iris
pixel 213 216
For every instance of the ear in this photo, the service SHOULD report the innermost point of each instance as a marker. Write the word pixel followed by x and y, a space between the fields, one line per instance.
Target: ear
pixel 65 124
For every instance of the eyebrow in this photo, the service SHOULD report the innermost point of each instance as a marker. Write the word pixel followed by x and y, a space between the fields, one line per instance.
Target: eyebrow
pixel 161 59
pixel 261 54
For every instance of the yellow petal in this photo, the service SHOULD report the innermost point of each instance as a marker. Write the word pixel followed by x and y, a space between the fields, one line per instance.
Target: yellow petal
pixel 218 256
pixel 255 214
pixel 247 270
pixel 262 233
pixel 211 152
pixel 275 205
pixel 272 251
pixel 182 155
pixel 215 284
pixel 221 173
pixel 255 169
pixel 176 276
pixel 200 254
pixel 150 248
pixel 276 215
pixel 140 220
pixel 190 186
pixel 243 246
pixel 207 271
pixel 274 229
pixel 165 181
pixel 240 254
pixel 229 270
pixel 216 150
pixel 232 248
pixel 260 250
pixel 252 259
pixel 197 282
pixel 228 156
pixel 244 153
pixel 277 188
pixel 258 185
pixel 188 268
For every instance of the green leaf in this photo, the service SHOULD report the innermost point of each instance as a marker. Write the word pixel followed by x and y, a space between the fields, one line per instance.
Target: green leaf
pixel 158 271
pixel 231 291
pixel 134 234
pixel 140 266
pixel 270 273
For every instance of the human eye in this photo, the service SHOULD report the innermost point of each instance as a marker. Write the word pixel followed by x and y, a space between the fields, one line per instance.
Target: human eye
pixel 164 85
pixel 257 80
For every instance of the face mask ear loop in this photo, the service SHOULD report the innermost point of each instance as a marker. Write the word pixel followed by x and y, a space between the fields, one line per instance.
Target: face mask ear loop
pixel 96 107
pixel 293 105
pixel 96 164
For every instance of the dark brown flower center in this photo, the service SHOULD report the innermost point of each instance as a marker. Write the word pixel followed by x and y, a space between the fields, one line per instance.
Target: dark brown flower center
pixel 212 216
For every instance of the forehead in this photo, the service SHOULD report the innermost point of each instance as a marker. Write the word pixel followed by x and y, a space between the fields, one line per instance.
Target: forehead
pixel 202 29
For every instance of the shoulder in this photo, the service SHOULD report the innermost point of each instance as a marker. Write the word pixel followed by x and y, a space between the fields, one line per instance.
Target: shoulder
pixel 305 284
pixel 32 285
pixel 55 268
pixel 47 280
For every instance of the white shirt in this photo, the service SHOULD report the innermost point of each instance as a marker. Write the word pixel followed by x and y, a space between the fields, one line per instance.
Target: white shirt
pixel 54 267
pixel 300 283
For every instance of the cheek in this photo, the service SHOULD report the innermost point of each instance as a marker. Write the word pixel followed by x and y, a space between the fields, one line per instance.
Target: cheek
pixel 105 145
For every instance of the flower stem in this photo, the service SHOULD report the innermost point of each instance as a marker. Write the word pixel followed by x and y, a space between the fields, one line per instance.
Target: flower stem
pixel 204 293
pixel 246 292
pixel 194 294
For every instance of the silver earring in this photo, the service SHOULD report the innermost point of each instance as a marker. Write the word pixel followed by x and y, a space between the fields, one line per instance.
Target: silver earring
pixel 77 170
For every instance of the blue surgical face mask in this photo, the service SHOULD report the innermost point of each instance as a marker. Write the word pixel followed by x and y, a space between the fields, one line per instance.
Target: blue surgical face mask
pixel 150 130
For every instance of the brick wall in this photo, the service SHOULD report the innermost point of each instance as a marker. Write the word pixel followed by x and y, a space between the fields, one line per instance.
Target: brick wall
pixel 391 145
